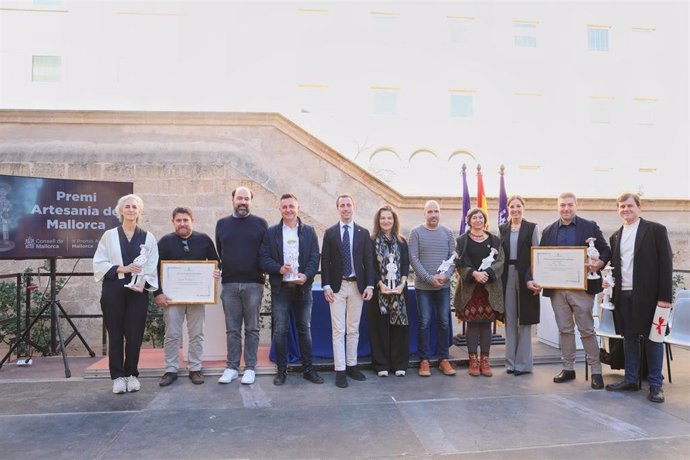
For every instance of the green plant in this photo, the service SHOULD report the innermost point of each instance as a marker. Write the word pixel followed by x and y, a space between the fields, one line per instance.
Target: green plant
pixel 8 312
pixel 154 331
pixel 678 284
pixel 40 332
pixel 266 307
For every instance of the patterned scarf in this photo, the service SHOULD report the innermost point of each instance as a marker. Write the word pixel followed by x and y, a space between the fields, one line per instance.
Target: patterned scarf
pixel 395 304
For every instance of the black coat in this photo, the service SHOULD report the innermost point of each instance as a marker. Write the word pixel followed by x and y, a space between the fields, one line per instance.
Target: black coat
pixel 332 258
pixel 528 305
pixel 271 256
pixel 652 275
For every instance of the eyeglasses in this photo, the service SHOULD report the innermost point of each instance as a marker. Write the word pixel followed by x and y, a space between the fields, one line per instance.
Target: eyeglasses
pixel 185 245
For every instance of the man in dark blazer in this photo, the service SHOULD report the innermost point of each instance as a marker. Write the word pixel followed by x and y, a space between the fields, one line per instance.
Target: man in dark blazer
pixel 289 253
pixel 574 307
pixel 642 269
pixel 347 276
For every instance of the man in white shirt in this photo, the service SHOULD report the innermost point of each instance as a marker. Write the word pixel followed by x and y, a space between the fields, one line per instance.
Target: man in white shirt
pixel 289 253
pixel 347 275
pixel 642 269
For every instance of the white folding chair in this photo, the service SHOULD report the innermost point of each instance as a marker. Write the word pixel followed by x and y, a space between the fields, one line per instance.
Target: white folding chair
pixel 684 294
pixel 680 329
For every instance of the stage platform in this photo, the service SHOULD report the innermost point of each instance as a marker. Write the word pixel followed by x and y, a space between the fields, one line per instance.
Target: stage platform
pixel 44 415
pixel 151 361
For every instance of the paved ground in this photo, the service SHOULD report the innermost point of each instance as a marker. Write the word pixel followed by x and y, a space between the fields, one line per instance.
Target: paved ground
pixel 47 416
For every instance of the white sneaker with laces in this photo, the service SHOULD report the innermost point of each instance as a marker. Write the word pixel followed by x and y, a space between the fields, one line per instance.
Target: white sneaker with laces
pixel 119 385
pixel 248 377
pixel 383 374
pixel 400 373
pixel 133 384
pixel 228 376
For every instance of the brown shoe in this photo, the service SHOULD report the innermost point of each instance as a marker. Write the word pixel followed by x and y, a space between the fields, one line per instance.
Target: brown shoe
pixel 424 368
pixel 446 367
pixel 484 367
pixel 196 377
pixel 474 365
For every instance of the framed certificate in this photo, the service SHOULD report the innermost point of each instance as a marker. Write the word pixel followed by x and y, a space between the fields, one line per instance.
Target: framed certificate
pixel 189 281
pixel 560 267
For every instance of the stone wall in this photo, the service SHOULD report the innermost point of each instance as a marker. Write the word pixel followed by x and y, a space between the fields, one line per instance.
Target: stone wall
pixel 197 159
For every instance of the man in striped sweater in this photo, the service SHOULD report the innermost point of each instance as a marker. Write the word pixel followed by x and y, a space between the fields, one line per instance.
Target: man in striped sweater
pixel 430 244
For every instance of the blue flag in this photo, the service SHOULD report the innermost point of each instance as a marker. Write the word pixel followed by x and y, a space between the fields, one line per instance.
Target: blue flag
pixel 502 201
pixel 465 200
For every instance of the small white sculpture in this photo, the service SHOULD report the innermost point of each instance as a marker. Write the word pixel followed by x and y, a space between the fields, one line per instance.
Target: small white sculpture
pixel 446 264
pixel 488 260
pixel 138 281
pixel 292 258
pixel 593 255
pixel 608 292
pixel 391 270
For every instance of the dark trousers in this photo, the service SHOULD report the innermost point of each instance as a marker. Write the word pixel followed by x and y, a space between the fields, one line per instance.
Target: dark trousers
pixel 653 350
pixel 124 314
pixel 390 345
pixel 299 300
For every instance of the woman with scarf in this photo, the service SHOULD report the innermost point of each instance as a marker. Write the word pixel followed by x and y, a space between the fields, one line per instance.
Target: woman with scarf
pixel 123 253
pixel 387 311
pixel 479 297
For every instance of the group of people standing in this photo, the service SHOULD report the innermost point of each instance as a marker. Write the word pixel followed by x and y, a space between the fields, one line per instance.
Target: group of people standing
pixel 494 283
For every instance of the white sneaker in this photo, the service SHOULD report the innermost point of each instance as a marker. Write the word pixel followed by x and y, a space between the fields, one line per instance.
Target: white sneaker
pixel 383 373
pixel 248 377
pixel 133 384
pixel 228 376
pixel 400 373
pixel 120 385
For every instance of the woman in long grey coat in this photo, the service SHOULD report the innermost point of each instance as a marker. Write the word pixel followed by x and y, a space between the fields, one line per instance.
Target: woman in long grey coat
pixel 521 304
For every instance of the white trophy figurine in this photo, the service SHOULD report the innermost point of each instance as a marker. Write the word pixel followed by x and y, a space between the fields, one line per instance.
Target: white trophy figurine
pixel 488 260
pixel 138 281
pixel 593 255
pixel 608 292
pixel 445 265
pixel 391 270
pixel 292 258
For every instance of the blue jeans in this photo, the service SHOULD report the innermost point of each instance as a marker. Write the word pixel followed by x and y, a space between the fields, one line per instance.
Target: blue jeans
pixel 299 299
pixel 241 302
pixel 653 350
pixel 439 303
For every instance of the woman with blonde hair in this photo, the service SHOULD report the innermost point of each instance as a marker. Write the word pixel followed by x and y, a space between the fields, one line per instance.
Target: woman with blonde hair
pixel 521 300
pixel 126 252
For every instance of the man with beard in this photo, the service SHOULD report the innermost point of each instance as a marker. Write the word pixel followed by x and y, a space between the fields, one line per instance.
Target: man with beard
pixel 183 244
pixel 573 307
pixel 431 244
pixel 238 239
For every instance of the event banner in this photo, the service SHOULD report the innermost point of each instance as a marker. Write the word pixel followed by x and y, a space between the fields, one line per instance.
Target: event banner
pixel 41 218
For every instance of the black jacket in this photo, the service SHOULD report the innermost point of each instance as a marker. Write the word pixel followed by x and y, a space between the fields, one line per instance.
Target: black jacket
pixel 528 304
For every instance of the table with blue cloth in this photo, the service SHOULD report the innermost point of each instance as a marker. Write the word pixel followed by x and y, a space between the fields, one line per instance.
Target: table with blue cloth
pixel 321 332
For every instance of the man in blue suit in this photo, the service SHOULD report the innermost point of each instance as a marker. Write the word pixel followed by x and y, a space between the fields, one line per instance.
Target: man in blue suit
pixel 574 307
pixel 289 253
pixel 347 276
